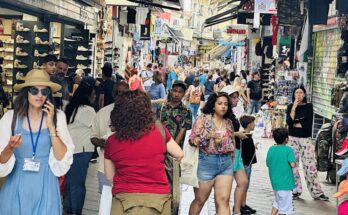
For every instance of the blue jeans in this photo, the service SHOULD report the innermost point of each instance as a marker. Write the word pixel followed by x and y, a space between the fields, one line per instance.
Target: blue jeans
pixel 254 104
pixel 194 110
pixel 212 165
pixel 248 173
pixel 75 191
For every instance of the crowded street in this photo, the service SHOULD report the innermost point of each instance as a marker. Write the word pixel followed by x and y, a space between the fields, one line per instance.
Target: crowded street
pixel 174 107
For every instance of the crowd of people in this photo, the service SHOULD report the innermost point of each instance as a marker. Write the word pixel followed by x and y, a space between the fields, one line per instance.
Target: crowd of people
pixel 135 122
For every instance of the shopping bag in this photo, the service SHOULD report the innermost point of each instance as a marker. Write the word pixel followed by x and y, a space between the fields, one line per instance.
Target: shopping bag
pixel 189 165
pixel 105 201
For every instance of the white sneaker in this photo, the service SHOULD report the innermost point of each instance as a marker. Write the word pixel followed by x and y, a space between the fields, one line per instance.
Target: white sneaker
pixel 37 29
pixel 20 27
pixel 8 57
pixel 8 66
pixel 81 57
pixel 68 39
pixel 82 49
pixel 56 52
pixel 8 50
pixel 10 41
pixel 37 54
pixel 20 52
pixel 17 64
pixel 20 39
pixel 39 41
pixel 81 66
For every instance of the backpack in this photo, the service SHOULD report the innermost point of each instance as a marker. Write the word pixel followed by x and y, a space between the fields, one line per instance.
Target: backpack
pixel 195 95
pixel 323 148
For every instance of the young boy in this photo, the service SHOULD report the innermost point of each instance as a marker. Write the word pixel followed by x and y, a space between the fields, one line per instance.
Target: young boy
pixel 280 161
pixel 248 153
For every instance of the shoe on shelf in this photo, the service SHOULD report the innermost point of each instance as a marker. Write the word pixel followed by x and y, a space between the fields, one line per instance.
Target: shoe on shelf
pixel 37 54
pixel 69 39
pixel 20 27
pixel 322 197
pixel 20 39
pixel 39 41
pixel 37 29
pixel 20 52
pixel 9 41
pixel 56 52
pixel 8 66
pixel 81 57
pixel 20 76
pixel 8 50
pixel 81 66
pixel 82 49
pixel 17 64
pixel 296 196
pixel 249 209
pixel 8 57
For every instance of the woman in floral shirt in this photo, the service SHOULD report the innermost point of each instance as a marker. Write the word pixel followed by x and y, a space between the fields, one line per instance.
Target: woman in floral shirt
pixel 213 133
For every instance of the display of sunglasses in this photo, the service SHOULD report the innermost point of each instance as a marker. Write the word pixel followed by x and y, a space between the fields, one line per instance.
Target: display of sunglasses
pixel 44 91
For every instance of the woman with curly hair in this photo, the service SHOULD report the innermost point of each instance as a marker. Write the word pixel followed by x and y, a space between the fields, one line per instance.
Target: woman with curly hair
pixel 134 157
pixel 213 133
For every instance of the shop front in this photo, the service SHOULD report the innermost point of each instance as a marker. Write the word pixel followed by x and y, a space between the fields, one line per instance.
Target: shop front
pixel 30 30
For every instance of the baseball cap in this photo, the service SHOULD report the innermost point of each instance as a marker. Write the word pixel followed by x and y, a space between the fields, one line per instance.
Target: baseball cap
pixel 181 84
pixel 342 189
pixel 344 168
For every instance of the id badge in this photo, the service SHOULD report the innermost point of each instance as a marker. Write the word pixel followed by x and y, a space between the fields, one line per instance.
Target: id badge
pixel 31 165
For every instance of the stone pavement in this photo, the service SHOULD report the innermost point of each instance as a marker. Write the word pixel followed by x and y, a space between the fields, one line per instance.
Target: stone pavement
pixel 260 195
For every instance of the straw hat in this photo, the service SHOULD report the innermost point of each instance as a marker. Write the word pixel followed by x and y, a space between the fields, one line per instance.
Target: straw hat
pixel 229 89
pixel 37 77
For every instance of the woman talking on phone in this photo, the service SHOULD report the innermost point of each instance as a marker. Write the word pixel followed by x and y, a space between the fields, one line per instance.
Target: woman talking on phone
pixel 35 150
pixel 299 118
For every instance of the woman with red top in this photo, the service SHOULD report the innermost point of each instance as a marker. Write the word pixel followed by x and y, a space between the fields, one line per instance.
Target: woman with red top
pixel 213 133
pixel 135 82
pixel 134 157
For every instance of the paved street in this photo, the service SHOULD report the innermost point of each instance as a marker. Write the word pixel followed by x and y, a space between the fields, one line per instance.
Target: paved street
pixel 260 194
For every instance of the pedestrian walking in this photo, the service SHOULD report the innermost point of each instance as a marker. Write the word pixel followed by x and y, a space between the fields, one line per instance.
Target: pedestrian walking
pixel 157 92
pixel 105 88
pixel 280 161
pixel 254 93
pixel 79 115
pixel 213 133
pixel 36 148
pixel 101 131
pixel 299 118
pixel 194 95
pixel 134 157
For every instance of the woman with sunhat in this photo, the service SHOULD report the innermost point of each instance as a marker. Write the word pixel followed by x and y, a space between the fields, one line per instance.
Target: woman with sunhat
pixel 35 151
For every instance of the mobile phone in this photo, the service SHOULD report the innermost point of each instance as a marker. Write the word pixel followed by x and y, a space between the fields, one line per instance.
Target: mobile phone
pixel 43 106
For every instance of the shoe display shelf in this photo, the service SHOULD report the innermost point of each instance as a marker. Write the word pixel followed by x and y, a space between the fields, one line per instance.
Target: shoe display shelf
pixel 31 45
pixel 6 53
pixel 76 49
pixel 108 52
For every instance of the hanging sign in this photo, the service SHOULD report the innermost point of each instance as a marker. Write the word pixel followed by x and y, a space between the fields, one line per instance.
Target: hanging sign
pixel 265 6
pixel 158 26
pixel 235 30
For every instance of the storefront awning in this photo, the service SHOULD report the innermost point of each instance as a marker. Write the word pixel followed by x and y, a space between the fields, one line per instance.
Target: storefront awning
pixel 219 50
pixel 179 35
pixel 222 17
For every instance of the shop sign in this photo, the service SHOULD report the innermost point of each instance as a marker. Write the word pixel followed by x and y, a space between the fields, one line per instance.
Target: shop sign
pixel 158 26
pixel 284 47
pixel 83 13
pixel 235 30
pixel 265 6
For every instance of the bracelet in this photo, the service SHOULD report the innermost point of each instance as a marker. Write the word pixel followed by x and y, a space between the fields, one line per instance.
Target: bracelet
pixel 53 135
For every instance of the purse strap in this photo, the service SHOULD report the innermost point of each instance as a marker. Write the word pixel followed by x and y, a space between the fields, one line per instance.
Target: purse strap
pixel 13 123
pixel 163 133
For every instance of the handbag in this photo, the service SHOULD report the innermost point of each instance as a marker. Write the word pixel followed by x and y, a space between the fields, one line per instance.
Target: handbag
pixel 105 201
pixel 189 165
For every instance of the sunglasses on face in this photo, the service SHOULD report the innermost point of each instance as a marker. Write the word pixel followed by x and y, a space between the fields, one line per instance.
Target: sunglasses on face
pixel 44 91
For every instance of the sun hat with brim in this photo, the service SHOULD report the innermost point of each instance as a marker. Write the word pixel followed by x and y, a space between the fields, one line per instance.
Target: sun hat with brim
pixel 229 89
pixel 37 77
pixel 342 189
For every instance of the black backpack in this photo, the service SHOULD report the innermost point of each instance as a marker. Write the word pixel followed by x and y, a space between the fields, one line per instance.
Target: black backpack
pixel 323 148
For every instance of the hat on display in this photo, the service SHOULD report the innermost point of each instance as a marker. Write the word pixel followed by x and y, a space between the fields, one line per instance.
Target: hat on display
pixel 342 189
pixel 37 77
pixel 229 89
pixel 344 168
pixel 181 84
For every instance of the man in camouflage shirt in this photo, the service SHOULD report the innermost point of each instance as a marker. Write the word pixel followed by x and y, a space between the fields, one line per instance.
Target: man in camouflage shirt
pixel 175 115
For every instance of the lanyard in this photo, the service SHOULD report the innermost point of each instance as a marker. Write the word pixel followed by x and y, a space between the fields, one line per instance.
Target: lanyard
pixel 34 145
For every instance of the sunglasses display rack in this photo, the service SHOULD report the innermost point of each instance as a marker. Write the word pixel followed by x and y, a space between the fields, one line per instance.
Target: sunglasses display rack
pixel 77 49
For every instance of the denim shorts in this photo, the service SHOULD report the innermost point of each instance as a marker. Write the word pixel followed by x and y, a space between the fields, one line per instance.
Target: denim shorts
pixel 248 173
pixel 212 165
